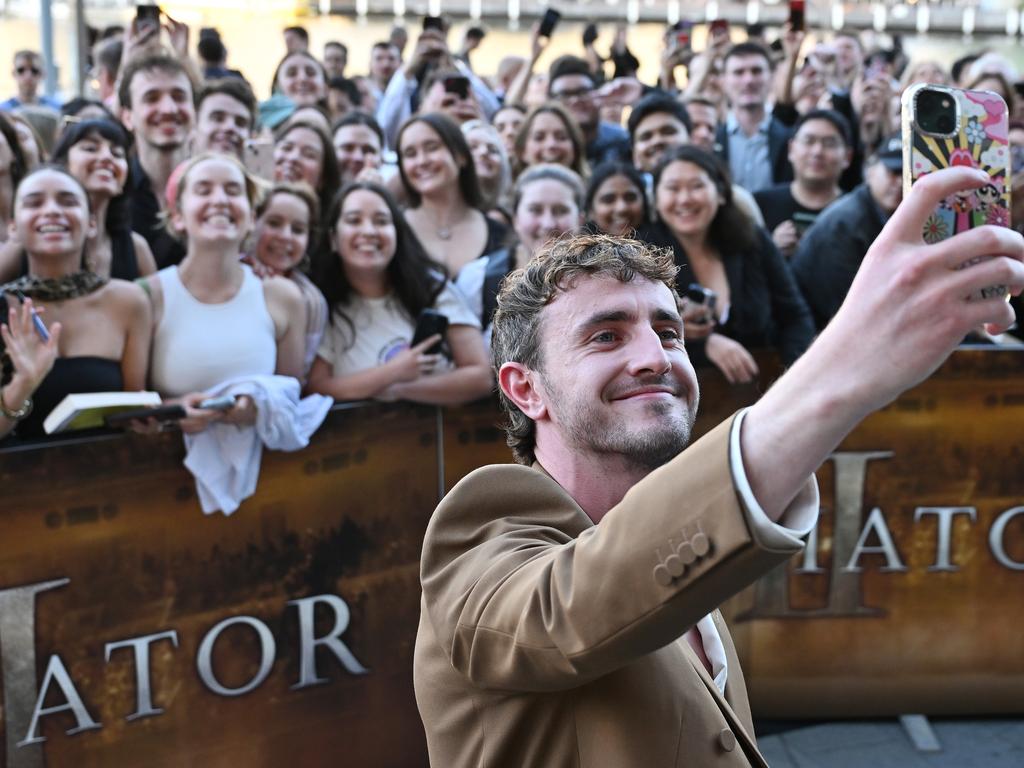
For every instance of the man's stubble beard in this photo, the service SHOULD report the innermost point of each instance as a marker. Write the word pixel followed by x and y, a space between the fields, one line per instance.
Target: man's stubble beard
pixel 588 431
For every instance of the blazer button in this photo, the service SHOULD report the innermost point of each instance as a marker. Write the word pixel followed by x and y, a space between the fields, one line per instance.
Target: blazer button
pixel 701 545
pixel 727 740
pixel 662 576
pixel 674 565
pixel 686 553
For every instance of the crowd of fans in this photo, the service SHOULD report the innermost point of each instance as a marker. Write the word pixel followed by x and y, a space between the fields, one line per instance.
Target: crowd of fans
pixel 176 232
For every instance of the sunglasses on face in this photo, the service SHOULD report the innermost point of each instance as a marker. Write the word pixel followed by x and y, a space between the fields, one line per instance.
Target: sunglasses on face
pixel 23 69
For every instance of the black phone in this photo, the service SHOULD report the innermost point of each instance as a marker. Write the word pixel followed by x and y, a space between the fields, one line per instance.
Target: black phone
pixel 548 22
pixel 147 15
pixel 430 322
pixel 162 413
pixel 590 34
pixel 797 18
pixel 698 294
pixel 719 27
pixel 684 33
pixel 433 22
pixel 457 84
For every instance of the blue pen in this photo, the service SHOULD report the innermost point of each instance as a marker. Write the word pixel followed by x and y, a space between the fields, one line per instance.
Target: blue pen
pixel 36 320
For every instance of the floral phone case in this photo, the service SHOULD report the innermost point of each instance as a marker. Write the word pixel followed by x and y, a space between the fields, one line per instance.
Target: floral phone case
pixel 980 139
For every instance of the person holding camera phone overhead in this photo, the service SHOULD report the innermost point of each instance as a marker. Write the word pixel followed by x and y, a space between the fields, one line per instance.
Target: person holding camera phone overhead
pixel 378 280
pixel 717 246
pixel 406 89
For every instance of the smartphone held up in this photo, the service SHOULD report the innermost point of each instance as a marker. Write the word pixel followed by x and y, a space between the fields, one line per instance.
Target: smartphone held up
pixel 946 127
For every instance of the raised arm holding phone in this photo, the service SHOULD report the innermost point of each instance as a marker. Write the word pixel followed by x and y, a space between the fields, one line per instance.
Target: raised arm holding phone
pixel 569 609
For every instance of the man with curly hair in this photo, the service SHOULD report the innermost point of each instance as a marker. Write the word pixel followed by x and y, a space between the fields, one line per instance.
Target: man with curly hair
pixel 569 612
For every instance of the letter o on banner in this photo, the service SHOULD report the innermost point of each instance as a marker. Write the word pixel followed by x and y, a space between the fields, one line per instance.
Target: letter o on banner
pixel 267 649
pixel 995 539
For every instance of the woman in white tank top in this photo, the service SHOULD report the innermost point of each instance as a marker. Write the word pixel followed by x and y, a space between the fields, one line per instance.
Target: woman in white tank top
pixel 213 319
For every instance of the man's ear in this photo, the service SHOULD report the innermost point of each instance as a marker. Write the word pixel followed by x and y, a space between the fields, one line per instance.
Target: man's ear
pixel 126 118
pixel 519 384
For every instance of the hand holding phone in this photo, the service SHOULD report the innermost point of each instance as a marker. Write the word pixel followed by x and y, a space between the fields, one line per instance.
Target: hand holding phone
pixel 458 85
pixel 548 22
pixel 430 323
pixel 797 17
pixel 147 15
pixel 164 415
pixel 258 157
pixel 934 118
pixel 433 22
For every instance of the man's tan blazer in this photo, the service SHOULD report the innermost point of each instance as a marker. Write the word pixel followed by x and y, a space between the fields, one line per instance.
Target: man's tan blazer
pixel 547 641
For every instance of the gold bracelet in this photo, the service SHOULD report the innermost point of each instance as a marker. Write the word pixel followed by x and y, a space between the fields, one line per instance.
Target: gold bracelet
pixel 18 415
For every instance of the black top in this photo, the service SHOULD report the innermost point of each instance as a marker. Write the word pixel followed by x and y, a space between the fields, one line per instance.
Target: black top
pixel 69 375
pixel 831 251
pixel 496 235
pixel 766 308
pixel 146 219
pixel 777 205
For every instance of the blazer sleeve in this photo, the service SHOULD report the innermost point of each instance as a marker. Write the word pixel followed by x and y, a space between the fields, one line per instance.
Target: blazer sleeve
pixel 523 594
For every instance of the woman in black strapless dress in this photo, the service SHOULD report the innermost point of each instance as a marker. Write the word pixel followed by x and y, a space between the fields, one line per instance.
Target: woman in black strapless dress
pixel 98 329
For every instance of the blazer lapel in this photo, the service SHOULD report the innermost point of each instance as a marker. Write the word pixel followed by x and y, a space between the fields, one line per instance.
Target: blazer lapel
pixel 750 747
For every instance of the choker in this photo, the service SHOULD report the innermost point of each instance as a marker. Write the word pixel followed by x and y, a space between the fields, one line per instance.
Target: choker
pixel 56 288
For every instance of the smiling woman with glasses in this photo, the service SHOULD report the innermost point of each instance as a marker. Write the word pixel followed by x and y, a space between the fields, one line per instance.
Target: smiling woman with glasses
pixel 745 296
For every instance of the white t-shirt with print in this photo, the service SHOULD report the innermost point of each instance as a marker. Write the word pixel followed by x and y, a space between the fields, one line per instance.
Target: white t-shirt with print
pixel 383 329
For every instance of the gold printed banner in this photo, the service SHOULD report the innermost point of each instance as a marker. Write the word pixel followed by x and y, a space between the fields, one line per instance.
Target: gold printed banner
pixel 135 631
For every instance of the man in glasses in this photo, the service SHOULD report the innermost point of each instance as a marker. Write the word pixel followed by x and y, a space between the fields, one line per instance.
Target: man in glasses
pixel 28 71
pixel 572 83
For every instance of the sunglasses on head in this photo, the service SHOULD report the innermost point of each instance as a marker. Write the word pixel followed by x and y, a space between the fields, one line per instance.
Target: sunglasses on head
pixel 23 69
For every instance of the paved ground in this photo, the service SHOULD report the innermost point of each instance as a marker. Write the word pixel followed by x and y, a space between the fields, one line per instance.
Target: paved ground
pixel 991 743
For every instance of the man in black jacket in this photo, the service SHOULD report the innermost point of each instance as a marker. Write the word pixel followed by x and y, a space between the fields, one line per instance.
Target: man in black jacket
pixel 831 251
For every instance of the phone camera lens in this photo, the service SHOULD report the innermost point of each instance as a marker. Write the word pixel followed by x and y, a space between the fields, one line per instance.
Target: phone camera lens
pixel 936 112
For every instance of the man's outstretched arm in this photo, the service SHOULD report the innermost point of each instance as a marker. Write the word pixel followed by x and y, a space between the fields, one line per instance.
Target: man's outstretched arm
pixel 906 311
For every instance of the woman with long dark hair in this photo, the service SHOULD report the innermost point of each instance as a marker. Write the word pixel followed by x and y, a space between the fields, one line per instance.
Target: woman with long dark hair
pixel 304 152
pixel 378 279
pixel 96 153
pixel 446 207
pixel 550 134
pixel 718 247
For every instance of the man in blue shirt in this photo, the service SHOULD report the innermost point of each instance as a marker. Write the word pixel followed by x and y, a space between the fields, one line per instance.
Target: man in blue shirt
pixel 753 141
pixel 28 71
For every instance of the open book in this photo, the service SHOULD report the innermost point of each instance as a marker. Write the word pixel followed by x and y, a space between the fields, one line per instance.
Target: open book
pixel 87 411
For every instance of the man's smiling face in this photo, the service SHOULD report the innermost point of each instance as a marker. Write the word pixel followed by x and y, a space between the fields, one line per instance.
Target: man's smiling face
pixel 615 376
